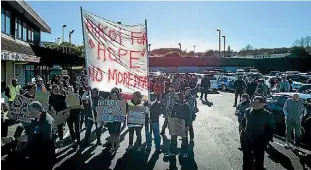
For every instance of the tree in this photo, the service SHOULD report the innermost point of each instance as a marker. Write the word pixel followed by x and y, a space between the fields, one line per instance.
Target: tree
pixel 209 53
pixel 66 47
pixel 304 42
pixel 249 48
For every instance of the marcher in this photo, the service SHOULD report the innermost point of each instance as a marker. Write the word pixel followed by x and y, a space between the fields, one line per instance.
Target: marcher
pixel 152 125
pixel 39 84
pixel 180 110
pixel 239 88
pixel 191 101
pixel 40 138
pixel 58 102
pixel 168 102
pixel 294 111
pixel 251 87
pixel 205 86
pixel 73 121
pixel 263 87
pixel 136 101
pixel 257 131
pixel 284 85
pixel 13 90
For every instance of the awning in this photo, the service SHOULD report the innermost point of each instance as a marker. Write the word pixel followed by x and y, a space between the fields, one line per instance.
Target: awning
pixel 14 56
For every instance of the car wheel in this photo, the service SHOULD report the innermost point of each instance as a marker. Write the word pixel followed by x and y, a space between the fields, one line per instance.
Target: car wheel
pixel 223 87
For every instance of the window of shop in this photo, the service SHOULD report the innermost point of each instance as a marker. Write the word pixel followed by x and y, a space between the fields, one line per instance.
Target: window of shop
pixel 5 21
pixel 3 76
pixel 29 73
pixel 36 38
pixel 30 35
pixel 24 31
pixel 19 28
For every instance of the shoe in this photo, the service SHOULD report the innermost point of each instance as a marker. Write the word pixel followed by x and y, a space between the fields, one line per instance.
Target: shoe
pixel 287 146
pixel 162 133
pixel 184 155
pixel 234 105
pixel 158 151
pixel 138 148
pixel 111 150
pixel 129 147
pixel 98 142
pixel 61 143
pixel 170 154
pixel 148 148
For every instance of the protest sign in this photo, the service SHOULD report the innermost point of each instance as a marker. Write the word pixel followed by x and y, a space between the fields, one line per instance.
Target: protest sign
pixel 136 115
pixel 115 54
pixel 73 101
pixel 59 117
pixel 111 111
pixel 19 109
pixel 176 126
pixel 43 98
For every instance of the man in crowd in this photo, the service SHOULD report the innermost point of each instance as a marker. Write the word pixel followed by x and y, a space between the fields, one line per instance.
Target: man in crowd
pixel 205 86
pixel 263 87
pixel 191 100
pixel 294 111
pixel 251 87
pixel 168 102
pixel 239 87
pixel 284 85
pixel 256 132
pixel 13 90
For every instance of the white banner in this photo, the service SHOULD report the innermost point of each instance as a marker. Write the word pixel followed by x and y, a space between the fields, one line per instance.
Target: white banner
pixel 116 54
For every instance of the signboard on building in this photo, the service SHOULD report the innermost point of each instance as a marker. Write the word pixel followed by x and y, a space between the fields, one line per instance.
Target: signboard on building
pixel 13 56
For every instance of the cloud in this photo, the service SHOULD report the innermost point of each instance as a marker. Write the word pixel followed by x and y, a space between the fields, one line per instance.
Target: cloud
pixel 200 46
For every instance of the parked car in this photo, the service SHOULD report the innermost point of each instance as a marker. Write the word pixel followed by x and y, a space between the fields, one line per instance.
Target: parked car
pixel 213 81
pixel 225 83
pixel 298 81
pixel 274 73
pixel 275 105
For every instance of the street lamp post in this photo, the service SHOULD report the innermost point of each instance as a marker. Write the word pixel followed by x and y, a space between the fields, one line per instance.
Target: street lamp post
pixel 194 51
pixel 63 32
pixel 57 40
pixel 179 46
pixel 219 34
pixel 224 45
pixel 71 32
pixel 149 45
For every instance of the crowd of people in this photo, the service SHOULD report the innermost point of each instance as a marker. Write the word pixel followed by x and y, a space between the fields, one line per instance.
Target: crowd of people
pixel 173 96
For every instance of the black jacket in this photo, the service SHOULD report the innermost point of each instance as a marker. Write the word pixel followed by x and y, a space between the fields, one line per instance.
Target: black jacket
pixel 239 85
pixel 205 84
pixel 58 102
pixel 155 111
pixel 182 111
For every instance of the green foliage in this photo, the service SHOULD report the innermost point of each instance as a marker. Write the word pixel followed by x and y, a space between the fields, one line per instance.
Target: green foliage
pixel 67 48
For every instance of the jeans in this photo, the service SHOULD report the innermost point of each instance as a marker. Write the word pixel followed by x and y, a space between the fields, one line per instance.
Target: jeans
pixel 205 95
pixel 191 132
pixel 156 133
pixel 83 116
pixel 184 144
pixel 237 93
pixel 165 125
pixel 74 121
pixel 60 131
pixel 89 126
pixel 290 125
pixel 138 135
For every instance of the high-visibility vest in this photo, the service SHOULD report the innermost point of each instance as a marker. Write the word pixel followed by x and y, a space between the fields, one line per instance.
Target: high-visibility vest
pixel 14 91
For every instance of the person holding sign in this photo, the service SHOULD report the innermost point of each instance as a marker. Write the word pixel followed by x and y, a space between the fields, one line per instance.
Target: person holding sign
pixel 114 128
pixel 58 102
pixel 168 102
pixel 91 113
pixel 74 120
pixel 181 110
pixel 136 101
pixel 156 109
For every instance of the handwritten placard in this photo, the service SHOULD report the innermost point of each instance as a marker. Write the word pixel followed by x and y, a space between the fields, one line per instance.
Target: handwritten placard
pixel 43 98
pixel 19 109
pixel 59 117
pixel 111 111
pixel 136 115
pixel 73 101
pixel 176 126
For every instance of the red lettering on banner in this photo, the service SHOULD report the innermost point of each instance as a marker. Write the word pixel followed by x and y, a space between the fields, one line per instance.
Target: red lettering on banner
pixel 139 39
pixel 106 51
pixel 133 58
pixel 96 74
pixel 127 79
pixel 113 35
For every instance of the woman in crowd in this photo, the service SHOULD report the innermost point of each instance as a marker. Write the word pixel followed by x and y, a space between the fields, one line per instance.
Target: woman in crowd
pixel 74 121
pixel 114 128
pixel 58 102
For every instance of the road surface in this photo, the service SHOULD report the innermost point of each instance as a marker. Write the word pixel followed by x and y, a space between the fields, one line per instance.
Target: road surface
pixel 215 147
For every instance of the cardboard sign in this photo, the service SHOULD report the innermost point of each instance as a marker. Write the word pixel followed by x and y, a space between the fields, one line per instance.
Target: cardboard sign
pixel 43 98
pixel 19 109
pixel 176 126
pixel 59 117
pixel 73 101
pixel 136 115
pixel 111 111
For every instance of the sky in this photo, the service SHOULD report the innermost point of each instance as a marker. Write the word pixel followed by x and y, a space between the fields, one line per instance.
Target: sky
pixel 262 24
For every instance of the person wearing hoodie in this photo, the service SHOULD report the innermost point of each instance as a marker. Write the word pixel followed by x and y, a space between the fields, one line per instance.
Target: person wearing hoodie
pixel 91 114
pixel 152 124
pixel 168 102
pixel 40 136
pixel 135 101
pixel 58 102
pixel 284 85
pixel 181 110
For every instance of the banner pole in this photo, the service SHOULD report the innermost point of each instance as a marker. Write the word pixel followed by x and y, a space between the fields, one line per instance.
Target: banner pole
pixel 86 65
pixel 147 45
